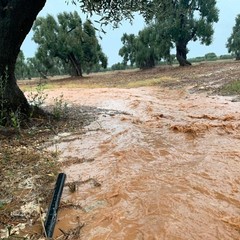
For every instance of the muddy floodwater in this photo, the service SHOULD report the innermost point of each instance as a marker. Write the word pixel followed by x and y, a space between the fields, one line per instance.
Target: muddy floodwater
pixel 154 164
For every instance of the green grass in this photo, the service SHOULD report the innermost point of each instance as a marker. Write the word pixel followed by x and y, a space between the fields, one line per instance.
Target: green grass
pixel 148 82
pixel 104 83
pixel 232 88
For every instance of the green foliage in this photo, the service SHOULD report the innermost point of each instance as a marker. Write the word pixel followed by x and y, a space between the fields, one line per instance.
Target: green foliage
pixel 197 59
pixel 119 66
pixel 171 22
pixel 59 107
pixel 38 97
pixel 114 11
pixel 187 20
pixel 73 43
pixel 8 117
pixel 226 56
pixel 38 66
pixel 211 56
pixel 184 21
pixel 93 57
pixel 146 49
pixel 233 43
pixel 21 68
pixel 231 88
pixel 128 50
pixel 15 118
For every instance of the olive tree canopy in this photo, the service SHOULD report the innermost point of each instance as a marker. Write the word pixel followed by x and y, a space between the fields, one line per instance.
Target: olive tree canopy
pixel 233 43
pixel 70 40
pixel 182 21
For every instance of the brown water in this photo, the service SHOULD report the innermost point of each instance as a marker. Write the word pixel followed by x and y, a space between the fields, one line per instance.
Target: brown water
pixel 168 166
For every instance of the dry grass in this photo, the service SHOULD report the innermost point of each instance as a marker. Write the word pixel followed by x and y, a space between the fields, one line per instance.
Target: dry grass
pixel 28 173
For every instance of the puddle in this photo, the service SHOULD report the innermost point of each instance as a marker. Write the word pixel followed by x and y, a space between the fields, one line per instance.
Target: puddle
pixel 167 165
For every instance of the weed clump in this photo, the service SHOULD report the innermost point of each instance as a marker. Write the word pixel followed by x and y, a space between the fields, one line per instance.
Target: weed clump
pixel 232 88
pixel 59 108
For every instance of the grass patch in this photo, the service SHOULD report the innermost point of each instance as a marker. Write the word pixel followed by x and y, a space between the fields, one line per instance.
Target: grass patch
pixel 149 82
pixel 32 88
pixel 115 79
pixel 232 88
pixel 65 84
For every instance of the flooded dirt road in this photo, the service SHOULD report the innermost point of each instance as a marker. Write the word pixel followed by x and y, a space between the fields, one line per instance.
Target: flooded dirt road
pixel 156 164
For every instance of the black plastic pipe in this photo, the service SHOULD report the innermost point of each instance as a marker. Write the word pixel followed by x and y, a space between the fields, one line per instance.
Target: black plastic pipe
pixel 53 208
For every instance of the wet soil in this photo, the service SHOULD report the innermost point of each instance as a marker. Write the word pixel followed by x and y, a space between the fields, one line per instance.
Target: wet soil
pixel 210 77
pixel 167 164
pixel 149 162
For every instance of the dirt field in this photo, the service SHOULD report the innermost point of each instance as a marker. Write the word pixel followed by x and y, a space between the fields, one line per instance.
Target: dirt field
pixel 200 77
pixel 148 154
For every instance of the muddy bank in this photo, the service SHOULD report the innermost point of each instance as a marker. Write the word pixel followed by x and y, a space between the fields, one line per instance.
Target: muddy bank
pixel 155 164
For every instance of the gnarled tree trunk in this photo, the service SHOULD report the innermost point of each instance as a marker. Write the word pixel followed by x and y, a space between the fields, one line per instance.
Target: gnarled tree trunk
pixel 237 56
pixel 16 20
pixel 76 66
pixel 181 54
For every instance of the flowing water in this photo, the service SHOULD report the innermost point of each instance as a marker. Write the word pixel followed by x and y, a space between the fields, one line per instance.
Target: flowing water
pixel 156 164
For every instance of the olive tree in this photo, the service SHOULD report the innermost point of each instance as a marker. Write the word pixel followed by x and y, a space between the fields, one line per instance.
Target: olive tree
pixel 233 43
pixel 68 39
pixel 16 20
pixel 146 49
pixel 183 21
pixel 93 56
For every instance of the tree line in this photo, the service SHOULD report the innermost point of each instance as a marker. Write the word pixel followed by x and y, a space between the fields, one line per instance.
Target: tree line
pixel 66 46
pixel 175 25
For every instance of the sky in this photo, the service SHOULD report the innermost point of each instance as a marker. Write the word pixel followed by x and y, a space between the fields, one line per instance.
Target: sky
pixel 111 41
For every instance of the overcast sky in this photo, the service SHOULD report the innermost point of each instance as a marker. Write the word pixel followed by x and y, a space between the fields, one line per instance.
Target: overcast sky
pixel 111 42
